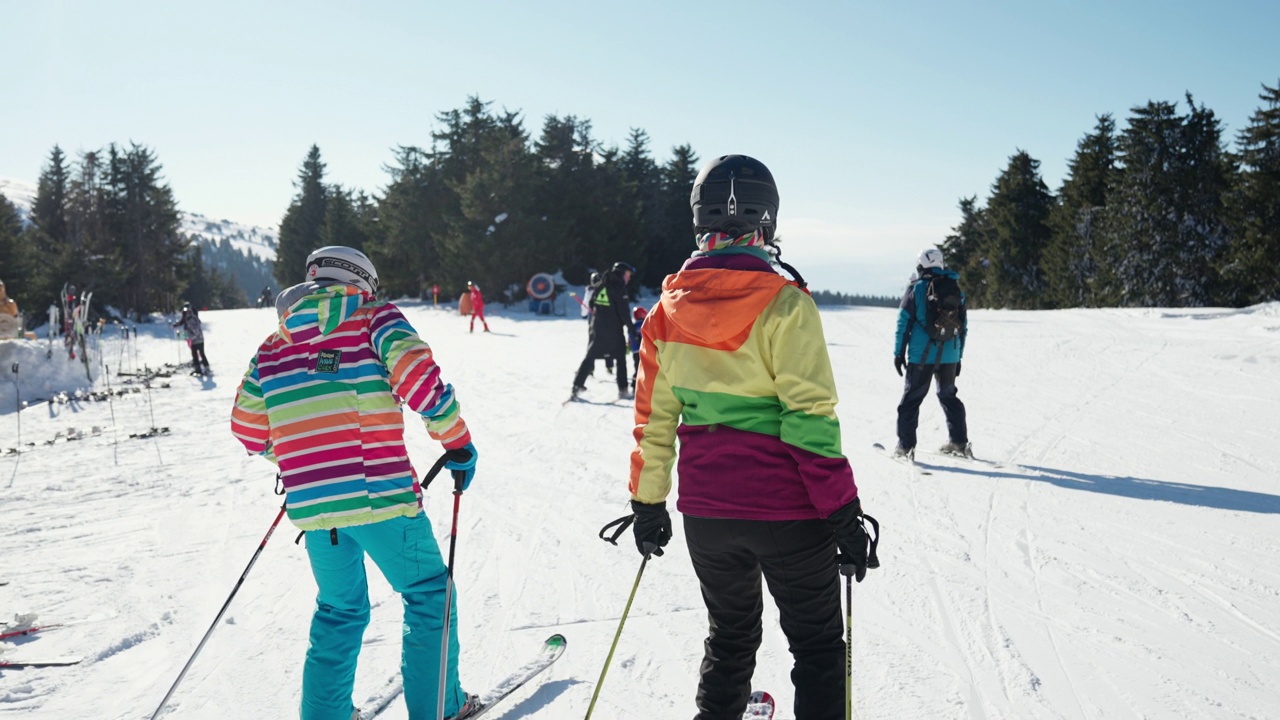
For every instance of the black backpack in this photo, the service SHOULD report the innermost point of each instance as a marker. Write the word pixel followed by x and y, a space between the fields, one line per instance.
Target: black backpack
pixel 943 301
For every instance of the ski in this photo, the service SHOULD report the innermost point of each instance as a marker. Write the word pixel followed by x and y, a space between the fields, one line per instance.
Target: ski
pixel 759 707
pixel 50 662
pixel 970 457
pixel 6 633
pixel 902 460
pixel 552 648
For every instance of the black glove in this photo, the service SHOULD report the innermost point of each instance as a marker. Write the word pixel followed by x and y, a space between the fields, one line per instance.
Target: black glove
pixel 898 362
pixel 957 368
pixel 652 527
pixel 851 538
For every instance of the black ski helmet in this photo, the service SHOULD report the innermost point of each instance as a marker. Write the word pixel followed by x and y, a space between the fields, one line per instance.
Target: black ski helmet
pixel 735 194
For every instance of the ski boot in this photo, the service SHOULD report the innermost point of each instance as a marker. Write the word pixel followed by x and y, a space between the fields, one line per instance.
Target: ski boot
pixel 904 452
pixel 470 708
pixel 964 450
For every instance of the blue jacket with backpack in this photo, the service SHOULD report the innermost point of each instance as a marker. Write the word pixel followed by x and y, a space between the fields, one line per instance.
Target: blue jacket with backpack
pixel 913 320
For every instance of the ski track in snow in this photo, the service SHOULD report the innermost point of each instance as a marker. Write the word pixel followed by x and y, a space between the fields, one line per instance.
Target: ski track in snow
pixel 1116 561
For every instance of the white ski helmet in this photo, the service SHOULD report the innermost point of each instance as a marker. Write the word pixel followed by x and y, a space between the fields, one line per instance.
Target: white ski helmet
pixel 344 264
pixel 930 258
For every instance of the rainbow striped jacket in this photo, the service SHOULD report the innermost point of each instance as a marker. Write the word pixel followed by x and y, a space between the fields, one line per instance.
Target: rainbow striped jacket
pixel 322 399
pixel 733 363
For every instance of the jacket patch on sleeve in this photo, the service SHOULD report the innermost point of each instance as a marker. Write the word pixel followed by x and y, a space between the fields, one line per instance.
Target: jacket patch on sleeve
pixel 327 361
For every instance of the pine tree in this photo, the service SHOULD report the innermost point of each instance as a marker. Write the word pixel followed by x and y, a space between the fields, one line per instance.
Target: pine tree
pixel 14 256
pixel 966 252
pixel 1255 207
pixel 676 238
pixel 300 229
pixel 566 154
pixel 49 212
pixel 644 186
pixel 1071 258
pixel 403 246
pixel 138 263
pixel 1163 229
pixel 1017 234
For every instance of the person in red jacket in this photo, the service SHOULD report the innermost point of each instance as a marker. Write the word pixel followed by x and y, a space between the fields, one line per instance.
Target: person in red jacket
pixel 477 306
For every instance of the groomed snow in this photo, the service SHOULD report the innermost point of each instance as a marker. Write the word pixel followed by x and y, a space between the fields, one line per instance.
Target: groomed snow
pixel 1119 563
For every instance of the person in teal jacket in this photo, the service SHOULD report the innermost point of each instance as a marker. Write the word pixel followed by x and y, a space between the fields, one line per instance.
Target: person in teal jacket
pixel 932 328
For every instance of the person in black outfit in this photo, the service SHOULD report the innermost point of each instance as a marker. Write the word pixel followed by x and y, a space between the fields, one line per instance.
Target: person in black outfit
pixel 610 318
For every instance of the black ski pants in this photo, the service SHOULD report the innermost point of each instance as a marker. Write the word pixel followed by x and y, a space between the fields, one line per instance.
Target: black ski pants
pixel 798 560
pixel 198 356
pixel 589 364
pixel 914 391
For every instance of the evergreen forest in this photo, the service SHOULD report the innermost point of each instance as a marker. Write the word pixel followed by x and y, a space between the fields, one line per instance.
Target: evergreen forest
pixel 1160 212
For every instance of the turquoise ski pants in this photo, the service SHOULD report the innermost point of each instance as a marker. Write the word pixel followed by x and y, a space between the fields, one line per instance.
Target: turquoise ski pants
pixel 405 550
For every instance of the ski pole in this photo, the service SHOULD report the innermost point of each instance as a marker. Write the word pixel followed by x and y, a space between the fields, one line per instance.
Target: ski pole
pixel 649 548
pixel 17 397
pixel 225 605
pixel 848 648
pixel 458 477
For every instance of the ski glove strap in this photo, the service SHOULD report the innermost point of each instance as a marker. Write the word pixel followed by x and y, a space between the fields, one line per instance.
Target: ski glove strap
pixel 652 527
pixel 618 526
pixel 857 548
pixel 462 463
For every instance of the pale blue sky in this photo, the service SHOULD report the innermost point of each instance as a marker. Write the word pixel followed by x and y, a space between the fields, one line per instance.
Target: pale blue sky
pixel 874 117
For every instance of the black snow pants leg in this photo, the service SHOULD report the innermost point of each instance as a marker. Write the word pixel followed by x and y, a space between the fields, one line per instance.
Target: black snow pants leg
pixel 198 357
pixel 797 560
pixel 957 426
pixel 916 388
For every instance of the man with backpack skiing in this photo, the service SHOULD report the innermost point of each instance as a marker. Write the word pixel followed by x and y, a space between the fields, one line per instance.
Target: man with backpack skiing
pixel 933 325
pixel 322 398
pixel 734 365
pixel 610 319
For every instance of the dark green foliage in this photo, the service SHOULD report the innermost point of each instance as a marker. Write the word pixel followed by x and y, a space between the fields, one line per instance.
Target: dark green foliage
pixel 965 250
pixel 1160 214
pixel 208 288
pixel 15 260
pixel 1253 270
pixel 1016 235
pixel 1163 230
pixel 824 297
pixel 491 205
pixel 1072 258
pixel 300 230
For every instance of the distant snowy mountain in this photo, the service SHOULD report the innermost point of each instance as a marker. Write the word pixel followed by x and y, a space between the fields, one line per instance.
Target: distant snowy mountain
pixel 19 193
pixel 252 240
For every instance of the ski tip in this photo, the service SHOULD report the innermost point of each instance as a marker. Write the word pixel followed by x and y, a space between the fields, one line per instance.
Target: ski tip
pixel 760 696
pixel 557 640
pixel 877 446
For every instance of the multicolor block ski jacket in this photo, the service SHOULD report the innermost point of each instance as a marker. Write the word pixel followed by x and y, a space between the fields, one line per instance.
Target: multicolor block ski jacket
pixel 733 363
pixel 322 398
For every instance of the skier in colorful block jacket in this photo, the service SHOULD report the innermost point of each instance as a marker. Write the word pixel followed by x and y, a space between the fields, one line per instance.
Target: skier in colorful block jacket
pixel 733 364
pixel 322 398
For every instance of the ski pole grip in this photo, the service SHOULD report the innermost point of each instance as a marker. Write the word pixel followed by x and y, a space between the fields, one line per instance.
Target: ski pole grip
pixel 649 548
pixel 434 471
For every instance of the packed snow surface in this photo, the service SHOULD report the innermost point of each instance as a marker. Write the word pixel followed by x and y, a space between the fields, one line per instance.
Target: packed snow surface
pixel 1117 559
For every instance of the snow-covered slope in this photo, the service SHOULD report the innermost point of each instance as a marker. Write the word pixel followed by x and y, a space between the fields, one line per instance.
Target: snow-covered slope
pixel 251 239
pixel 1118 562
